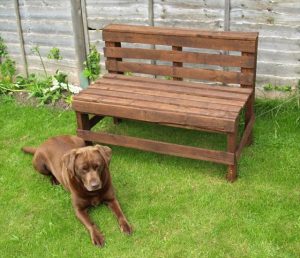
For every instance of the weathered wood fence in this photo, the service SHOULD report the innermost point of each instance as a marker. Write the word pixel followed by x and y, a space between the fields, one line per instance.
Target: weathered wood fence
pixel 72 25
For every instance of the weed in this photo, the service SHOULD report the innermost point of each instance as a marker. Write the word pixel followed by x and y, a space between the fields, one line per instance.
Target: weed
pixel 54 54
pixel 7 70
pixel 92 68
pixel 3 49
pixel 128 73
pixel 36 50
pixel 268 87
pixel 281 88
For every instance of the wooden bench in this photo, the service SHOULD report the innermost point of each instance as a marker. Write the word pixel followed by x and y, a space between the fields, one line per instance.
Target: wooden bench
pixel 194 105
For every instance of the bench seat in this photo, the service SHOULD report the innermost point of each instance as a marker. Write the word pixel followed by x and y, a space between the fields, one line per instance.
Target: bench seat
pixel 213 108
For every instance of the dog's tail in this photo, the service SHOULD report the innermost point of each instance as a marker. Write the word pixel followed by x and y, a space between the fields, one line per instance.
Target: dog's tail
pixel 31 150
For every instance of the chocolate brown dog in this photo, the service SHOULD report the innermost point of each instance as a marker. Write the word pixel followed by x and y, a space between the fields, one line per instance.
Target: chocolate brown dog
pixel 84 172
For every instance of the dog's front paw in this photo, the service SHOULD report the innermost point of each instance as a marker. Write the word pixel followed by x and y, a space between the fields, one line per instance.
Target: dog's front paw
pixel 97 238
pixel 125 227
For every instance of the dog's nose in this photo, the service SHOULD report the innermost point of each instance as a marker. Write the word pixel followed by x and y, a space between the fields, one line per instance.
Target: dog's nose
pixel 95 184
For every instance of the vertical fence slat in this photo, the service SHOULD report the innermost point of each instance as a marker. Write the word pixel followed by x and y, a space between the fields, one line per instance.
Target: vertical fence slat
pixel 227 15
pixel 85 26
pixel 21 39
pixel 79 38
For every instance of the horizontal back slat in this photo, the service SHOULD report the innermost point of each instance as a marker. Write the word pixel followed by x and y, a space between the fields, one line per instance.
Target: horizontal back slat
pixel 192 73
pixel 179 40
pixel 189 41
pixel 178 56
pixel 183 32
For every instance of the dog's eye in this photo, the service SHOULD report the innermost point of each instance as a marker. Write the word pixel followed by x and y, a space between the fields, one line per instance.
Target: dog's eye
pixel 85 168
pixel 96 167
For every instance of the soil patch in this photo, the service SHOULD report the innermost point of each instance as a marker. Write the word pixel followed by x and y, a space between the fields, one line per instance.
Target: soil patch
pixel 24 98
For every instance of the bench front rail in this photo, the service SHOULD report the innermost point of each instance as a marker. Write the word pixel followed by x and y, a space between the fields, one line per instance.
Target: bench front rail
pixel 182 55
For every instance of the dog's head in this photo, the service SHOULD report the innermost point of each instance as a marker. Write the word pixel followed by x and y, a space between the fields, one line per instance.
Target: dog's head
pixel 87 164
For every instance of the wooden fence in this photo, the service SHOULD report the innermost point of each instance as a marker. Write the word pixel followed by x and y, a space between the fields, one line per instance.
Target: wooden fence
pixel 72 25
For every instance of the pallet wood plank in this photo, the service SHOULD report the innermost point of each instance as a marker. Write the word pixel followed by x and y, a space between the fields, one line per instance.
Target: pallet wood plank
pixel 155 116
pixel 165 97
pixel 183 32
pixel 191 73
pixel 175 56
pixel 154 105
pixel 171 40
pixel 177 64
pixel 246 135
pixel 202 92
pixel 159 147
pixel 183 84
pixel 249 110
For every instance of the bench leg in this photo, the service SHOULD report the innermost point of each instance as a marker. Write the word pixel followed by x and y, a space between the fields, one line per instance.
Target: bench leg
pixel 232 147
pixel 83 123
pixel 249 112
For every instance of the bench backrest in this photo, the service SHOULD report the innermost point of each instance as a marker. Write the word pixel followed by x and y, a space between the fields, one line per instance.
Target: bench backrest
pixel 240 59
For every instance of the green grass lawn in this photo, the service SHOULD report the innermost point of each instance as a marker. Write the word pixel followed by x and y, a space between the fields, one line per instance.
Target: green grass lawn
pixel 178 207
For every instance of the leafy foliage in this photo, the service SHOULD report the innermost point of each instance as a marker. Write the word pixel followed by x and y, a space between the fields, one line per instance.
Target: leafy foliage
pixel 92 68
pixel 47 89
pixel 282 88
pixel 54 54
pixel 7 70
pixel 3 49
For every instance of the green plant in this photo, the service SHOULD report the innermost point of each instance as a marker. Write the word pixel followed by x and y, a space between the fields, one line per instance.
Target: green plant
pixel 46 89
pixel 7 70
pixel 68 99
pixel 268 87
pixel 7 67
pixel 92 65
pixel 50 88
pixel 3 49
pixel 168 77
pixel 61 77
pixel 128 73
pixel 282 88
pixel 36 50
pixel 54 54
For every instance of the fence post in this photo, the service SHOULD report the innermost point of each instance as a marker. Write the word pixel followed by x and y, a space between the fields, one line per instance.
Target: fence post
pixel 227 15
pixel 151 22
pixel 21 39
pixel 85 26
pixel 226 26
pixel 79 39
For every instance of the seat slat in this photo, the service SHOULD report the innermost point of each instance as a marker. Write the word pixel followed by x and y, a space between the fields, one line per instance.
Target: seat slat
pixel 183 84
pixel 192 73
pixel 176 56
pixel 165 97
pixel 232 96
pixel 154 105
pixel 155 116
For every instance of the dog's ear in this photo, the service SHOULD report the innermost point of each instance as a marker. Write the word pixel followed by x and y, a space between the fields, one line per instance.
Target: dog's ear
pixel 68 160
pixel 105 152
